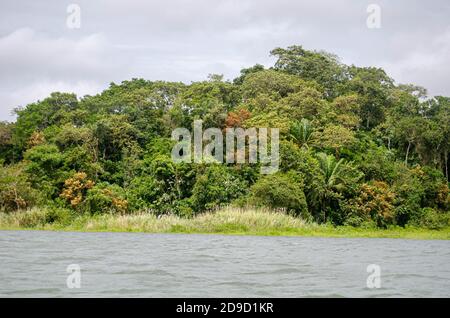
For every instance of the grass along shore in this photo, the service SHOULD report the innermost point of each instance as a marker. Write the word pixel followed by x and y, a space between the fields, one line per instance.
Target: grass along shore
pixel 226 221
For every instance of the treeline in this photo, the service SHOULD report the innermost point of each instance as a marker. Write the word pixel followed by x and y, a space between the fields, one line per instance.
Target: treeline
pixel 355 147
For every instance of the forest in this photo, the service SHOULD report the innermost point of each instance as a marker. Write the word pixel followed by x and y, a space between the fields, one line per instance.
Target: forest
pixel 356 148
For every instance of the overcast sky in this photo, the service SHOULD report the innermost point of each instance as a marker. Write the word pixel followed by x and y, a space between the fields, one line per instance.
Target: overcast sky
pixel 185 40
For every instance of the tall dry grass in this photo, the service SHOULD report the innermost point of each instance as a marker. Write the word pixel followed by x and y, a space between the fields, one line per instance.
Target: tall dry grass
pixel 228 220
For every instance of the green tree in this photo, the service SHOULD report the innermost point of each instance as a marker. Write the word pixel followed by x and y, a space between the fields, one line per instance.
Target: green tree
pixel 16 192
pixel 338 177
pixel 373 87
pixel 281 191
pixel 302 132
pixel 322 67
pixel 215 186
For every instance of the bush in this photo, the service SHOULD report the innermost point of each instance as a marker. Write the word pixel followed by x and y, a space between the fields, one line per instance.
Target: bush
pixel 216 186
pixel 376 163
pixel 435 186
pixel 375 202
pixel 75 189
pixel 358 221
pixel 16 192
pixel 432 219
pixel 45 167
pixel 161 184
pixel 280 190
pixel 58 215
pixel 143 191
pixel 418 188
pixel 183 208
pixel 104 198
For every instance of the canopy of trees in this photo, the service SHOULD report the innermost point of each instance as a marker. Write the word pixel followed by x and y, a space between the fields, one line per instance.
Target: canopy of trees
pixel 355 148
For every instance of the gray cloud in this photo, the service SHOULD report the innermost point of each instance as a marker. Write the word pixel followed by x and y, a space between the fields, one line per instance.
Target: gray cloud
pixel 186 40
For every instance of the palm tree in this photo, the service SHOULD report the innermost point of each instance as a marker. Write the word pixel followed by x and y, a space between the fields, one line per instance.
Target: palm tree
pixel 333 182
pixel 301 132
pixel 332 170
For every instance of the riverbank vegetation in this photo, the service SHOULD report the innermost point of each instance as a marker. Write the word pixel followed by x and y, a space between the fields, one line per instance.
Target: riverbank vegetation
pixel 356 150
pixel 227 221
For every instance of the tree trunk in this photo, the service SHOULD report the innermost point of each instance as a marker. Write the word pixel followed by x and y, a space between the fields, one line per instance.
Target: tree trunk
pixel 337 153
pixel 407 152
pixel 16 198
pixel 446 164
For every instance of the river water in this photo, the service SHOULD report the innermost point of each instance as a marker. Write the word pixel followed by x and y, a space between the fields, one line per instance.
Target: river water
pixel 35 263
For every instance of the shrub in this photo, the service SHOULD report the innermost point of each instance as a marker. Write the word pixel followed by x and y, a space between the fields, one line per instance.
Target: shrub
pixel 75 189
pixel 45 167
pixel 183 208
pixel 375 202
pixel 435 186
pixel 16 192
pixel 104 198
pixel 417 188
pixel 432 219
pixel 216 186
pixel 143 191
pixel 280 190
pixel 58 215
pixel 375 162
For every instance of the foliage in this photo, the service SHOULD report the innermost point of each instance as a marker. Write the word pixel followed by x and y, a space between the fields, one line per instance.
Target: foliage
pixel 334 137
pixel 216 185
pixel 302 132
pixel 432 219
pixel 338 178
pixel 16 192
pixel 282 191
pixel 104 198
pixel 75 189
pixel 355 147
pixel 322 67
pixel 375 201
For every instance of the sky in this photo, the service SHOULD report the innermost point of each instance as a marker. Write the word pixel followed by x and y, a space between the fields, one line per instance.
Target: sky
pixel 43 48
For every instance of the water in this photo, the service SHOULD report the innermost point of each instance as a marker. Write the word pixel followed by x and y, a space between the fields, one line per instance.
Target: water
pixel 33 264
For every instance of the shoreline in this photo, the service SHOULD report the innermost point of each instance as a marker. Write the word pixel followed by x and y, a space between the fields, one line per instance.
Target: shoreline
pixel 228 221
pixel 416 234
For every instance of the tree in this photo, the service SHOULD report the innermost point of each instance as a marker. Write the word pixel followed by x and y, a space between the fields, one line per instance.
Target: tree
pixel 281 191
pixel 274 84
pixel 376 202
pixel 16 192
pixel 337 177
pixel 306 103
pixel 215 186
pixel 246 71
pixel 373 86
pixel 334 137
pixel 44 165
pixel 7 153
pixel 337 124
pixel 237 118
pixel 75 189
pixel 54 110
pixel 114 134
pixel 302 132
pixel 344 111
pixel 322 67
pixel 409 132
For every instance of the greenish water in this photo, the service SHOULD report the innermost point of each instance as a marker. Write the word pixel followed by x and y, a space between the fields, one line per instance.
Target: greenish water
pixel 34 264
